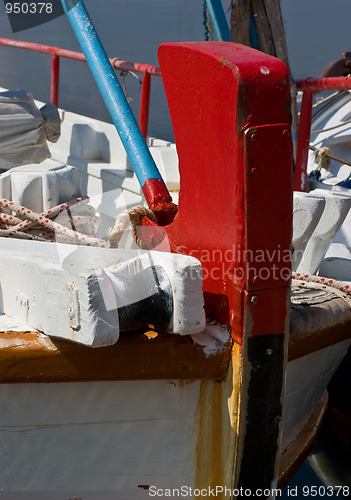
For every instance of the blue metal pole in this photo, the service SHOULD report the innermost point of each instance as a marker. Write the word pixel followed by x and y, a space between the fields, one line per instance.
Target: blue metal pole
pixel 112 93
pixel 219 20
pixel 253 34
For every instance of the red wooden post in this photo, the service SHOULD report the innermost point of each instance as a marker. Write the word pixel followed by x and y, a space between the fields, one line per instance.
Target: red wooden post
pixel 303 142
pixel 145 104
pixel 55 74
pixel 233 141
pixel 228 105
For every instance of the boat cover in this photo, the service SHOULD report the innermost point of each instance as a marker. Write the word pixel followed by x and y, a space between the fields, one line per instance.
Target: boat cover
pixel 24 129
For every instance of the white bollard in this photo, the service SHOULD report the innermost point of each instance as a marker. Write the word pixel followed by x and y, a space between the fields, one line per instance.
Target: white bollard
pixel 307 212
pixel 336 208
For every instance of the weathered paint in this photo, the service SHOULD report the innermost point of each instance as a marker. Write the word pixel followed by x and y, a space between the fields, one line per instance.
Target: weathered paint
pixel 306 379
pixel 233 111
pixel 303 142
pixel 217 429
pixel 291 459
pixel 219 20
pixel 235 108
pixel 88 292
pixel 32 357
pixel 261 411
pixel 159 200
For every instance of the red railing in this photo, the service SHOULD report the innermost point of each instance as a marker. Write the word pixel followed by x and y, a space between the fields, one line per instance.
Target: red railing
pixel 308 87
pixel 146 69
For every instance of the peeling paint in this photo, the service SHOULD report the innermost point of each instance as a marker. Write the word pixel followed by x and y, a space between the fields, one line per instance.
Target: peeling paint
pixel 218 410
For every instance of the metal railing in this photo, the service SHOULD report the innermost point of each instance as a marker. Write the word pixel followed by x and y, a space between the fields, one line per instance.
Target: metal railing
pixel 309 86
pixel 146 69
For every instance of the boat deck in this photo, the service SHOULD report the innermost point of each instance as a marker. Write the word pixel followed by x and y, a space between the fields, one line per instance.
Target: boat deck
pixel 28 355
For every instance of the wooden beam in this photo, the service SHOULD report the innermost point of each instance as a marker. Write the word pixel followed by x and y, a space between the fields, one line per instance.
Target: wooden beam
pixel 240 22
pixel 263 27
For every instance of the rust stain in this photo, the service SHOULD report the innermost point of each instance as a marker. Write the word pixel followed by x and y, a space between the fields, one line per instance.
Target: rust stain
pixel 182 383
pixel 150 334
pixel 224 61
pixel 218 412
pixel 26 339
pixel 29 356
pixel 27 335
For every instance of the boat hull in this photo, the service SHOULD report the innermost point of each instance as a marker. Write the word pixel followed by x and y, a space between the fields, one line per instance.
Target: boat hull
pixel 128 439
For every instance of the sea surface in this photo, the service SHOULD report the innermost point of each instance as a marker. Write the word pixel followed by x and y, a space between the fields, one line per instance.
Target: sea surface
pixel 317 32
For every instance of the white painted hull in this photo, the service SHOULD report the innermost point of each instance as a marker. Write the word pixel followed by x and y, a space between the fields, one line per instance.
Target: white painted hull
pixel 306 379
pixel 102 440
pixel 108 439
pixel 99 437
pixel 118 439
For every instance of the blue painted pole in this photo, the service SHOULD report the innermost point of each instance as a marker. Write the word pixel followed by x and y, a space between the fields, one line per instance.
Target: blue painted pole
pixel 219 20
pixel 253 34
pixel 112 93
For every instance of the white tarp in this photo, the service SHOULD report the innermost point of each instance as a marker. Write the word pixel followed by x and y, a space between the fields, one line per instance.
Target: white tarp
pixel 24 129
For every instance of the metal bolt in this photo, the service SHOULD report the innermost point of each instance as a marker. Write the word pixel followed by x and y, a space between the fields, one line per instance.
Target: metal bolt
pixel 254 137
pixel 253 171
pixel 254 299
pixel 286 133
pixel 269 352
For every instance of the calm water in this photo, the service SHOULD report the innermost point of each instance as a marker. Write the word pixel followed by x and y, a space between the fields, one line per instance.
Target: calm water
pixel 318 31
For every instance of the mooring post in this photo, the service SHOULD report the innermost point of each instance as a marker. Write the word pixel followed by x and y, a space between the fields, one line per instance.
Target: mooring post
pixel 229 106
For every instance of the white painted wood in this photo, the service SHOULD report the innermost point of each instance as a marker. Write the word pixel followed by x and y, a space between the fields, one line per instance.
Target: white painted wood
pixel 337 140
pixel 96 149
pixel 80 439
pixel 307 211
pixel 66 291
pixel 40 187
pixel 335 211
pixel 109 205
pixel 185 276
pixel 306 379
pixel 337 263
pixel 9 324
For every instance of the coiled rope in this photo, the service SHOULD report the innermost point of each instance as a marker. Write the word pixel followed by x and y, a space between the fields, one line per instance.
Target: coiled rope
pixel 328 285
pixel 333 157
pixel 130 219
pixel 41 226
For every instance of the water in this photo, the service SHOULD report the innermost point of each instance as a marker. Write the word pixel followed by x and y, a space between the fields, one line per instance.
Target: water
pixel 317 31
pixel 133 29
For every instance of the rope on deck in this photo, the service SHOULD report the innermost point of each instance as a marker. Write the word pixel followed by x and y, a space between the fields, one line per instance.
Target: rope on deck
pixel 30 225
pixel 130 219
pixel 328 285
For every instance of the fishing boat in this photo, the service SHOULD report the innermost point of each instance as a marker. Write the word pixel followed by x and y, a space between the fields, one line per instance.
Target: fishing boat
pixel 165 354
pixel 331 456
pixel 328 168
